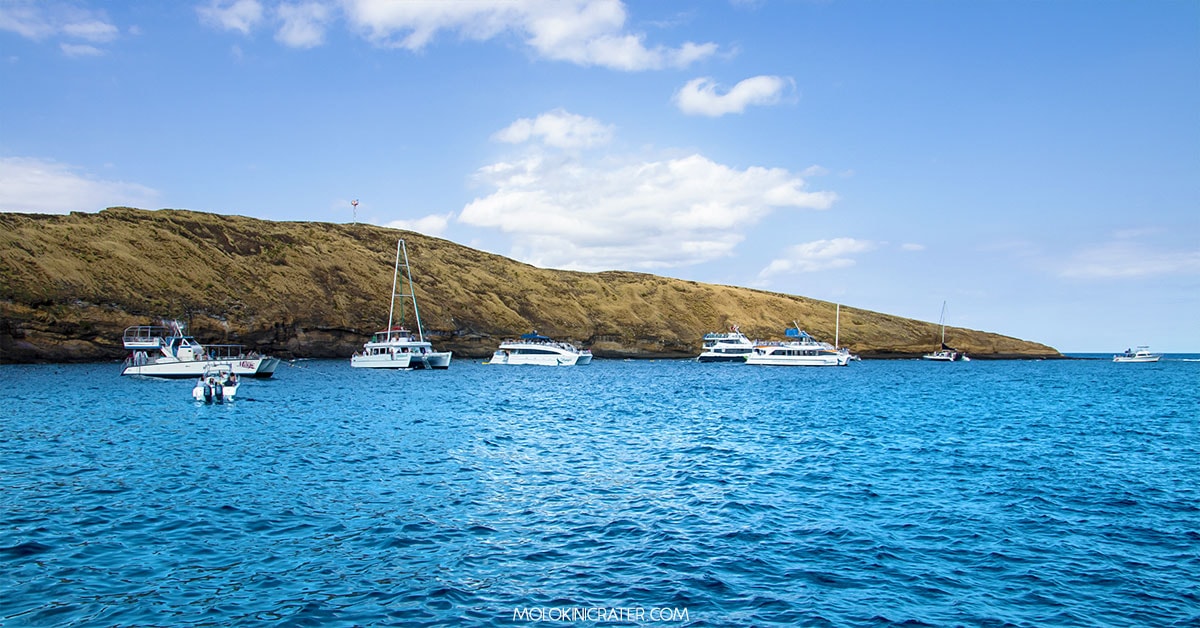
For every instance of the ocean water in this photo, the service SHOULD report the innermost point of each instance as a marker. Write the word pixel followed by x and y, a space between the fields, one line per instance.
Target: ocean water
pixel 1029 493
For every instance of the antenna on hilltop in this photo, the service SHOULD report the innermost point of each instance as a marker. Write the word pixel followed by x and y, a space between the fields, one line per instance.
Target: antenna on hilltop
pixel 354 208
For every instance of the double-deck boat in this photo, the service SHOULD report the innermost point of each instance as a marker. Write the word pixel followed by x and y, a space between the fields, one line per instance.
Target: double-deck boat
pixel 539 350
pixel 397 347
pixel 731 346
pixel 807 351
pixel 1142 354
pixel 165 351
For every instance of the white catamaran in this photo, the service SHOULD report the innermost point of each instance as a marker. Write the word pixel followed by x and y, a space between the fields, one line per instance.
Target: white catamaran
pixel 397 347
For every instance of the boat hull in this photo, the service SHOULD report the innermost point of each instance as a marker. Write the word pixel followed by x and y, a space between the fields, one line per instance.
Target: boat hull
pixel 537 359
pixel 180 369
pixel 798 360
pixel 438 360
pixel 1152 358
pixel 214 394
pixel 722 357
pixel 382 361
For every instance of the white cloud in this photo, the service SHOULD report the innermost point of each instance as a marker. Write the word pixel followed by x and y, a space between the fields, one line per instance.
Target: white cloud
pixel 80 50
pixel 912 246
pixel 559 129
pixel 45 20
pixel 26 19
pixel 700 97
pixel 584 32
pixel 817 256
pixel 1125 259
pixel 303 24
pixel 43 186
pixel 232 15
pixel 630 213
pixel 93 30
pixel 432 225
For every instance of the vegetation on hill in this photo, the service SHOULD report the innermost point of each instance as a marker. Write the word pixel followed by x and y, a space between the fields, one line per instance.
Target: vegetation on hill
pixel 70 284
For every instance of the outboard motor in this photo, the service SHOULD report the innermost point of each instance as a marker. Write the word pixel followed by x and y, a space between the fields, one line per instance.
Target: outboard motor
pixel 219 392
pixel 208 391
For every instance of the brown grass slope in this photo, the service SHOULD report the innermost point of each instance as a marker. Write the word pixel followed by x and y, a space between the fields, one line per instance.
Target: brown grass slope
pixel 70 284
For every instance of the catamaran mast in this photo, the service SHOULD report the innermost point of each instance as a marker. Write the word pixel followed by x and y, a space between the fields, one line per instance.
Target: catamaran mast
pixel 392 306
pixel 411 293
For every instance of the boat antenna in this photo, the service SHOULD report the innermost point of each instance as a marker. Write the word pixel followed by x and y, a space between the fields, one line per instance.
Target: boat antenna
pixel 411 294
pixel 392 306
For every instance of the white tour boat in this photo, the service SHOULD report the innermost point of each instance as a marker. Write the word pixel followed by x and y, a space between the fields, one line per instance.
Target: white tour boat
pixel 732 346
pixel 946 353
pixel 807 351
pixel 218 384
pixel 539 350
pixel 397 347
pixel 1142 354
pixel 165 351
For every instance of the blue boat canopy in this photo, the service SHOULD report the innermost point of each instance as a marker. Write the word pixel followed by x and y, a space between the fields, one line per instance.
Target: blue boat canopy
pixel 796 333
pixel 533 336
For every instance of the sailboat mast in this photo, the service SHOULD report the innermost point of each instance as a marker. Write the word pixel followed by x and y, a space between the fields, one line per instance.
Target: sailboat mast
pixel 412 293
pixel 942 322
pixel 837 327
pixel 392 306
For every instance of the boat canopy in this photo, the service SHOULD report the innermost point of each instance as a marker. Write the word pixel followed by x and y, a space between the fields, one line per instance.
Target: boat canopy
pixel 534 336
pixel 797 333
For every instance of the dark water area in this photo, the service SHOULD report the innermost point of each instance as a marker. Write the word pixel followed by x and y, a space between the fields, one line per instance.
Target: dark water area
pixel 1022 493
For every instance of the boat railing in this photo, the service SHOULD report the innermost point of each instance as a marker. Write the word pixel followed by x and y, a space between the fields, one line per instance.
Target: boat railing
pixel 227 352
pixel 566 346
pixel 145 334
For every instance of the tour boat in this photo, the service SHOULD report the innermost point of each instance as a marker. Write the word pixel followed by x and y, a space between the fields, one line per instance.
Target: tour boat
pixel 946 353
pixel 397 347
pixel 540 350
pixel 218 384
pixel 165 351
pixel 807 351
pixel 1142 354
pixel 732 346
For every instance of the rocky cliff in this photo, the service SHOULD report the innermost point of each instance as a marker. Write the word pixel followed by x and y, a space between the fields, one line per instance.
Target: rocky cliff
pixel 70 284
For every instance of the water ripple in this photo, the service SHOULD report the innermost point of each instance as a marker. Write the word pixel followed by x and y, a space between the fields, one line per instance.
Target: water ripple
pixel 885 493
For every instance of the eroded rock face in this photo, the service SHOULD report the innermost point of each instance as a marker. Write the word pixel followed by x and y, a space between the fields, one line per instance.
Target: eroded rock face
pixel 69 285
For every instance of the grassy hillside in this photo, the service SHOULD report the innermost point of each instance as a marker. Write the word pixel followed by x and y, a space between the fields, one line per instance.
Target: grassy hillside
pixel 70 284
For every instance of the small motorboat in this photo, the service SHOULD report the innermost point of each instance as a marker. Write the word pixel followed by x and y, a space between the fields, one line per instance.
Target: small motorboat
pixel 218 384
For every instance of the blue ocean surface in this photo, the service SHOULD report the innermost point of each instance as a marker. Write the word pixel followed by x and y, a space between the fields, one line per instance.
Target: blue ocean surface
pixel 1016 493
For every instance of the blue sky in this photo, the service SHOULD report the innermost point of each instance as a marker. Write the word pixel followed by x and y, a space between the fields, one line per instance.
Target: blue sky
pixel 1035 164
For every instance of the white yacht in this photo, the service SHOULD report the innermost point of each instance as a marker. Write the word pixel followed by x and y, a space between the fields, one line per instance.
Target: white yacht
pixel 1142 354
pixel 165 351
pixel 732 346
pixel 946 353
pixel 540 350
pixel 807 351
pixel 397 347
